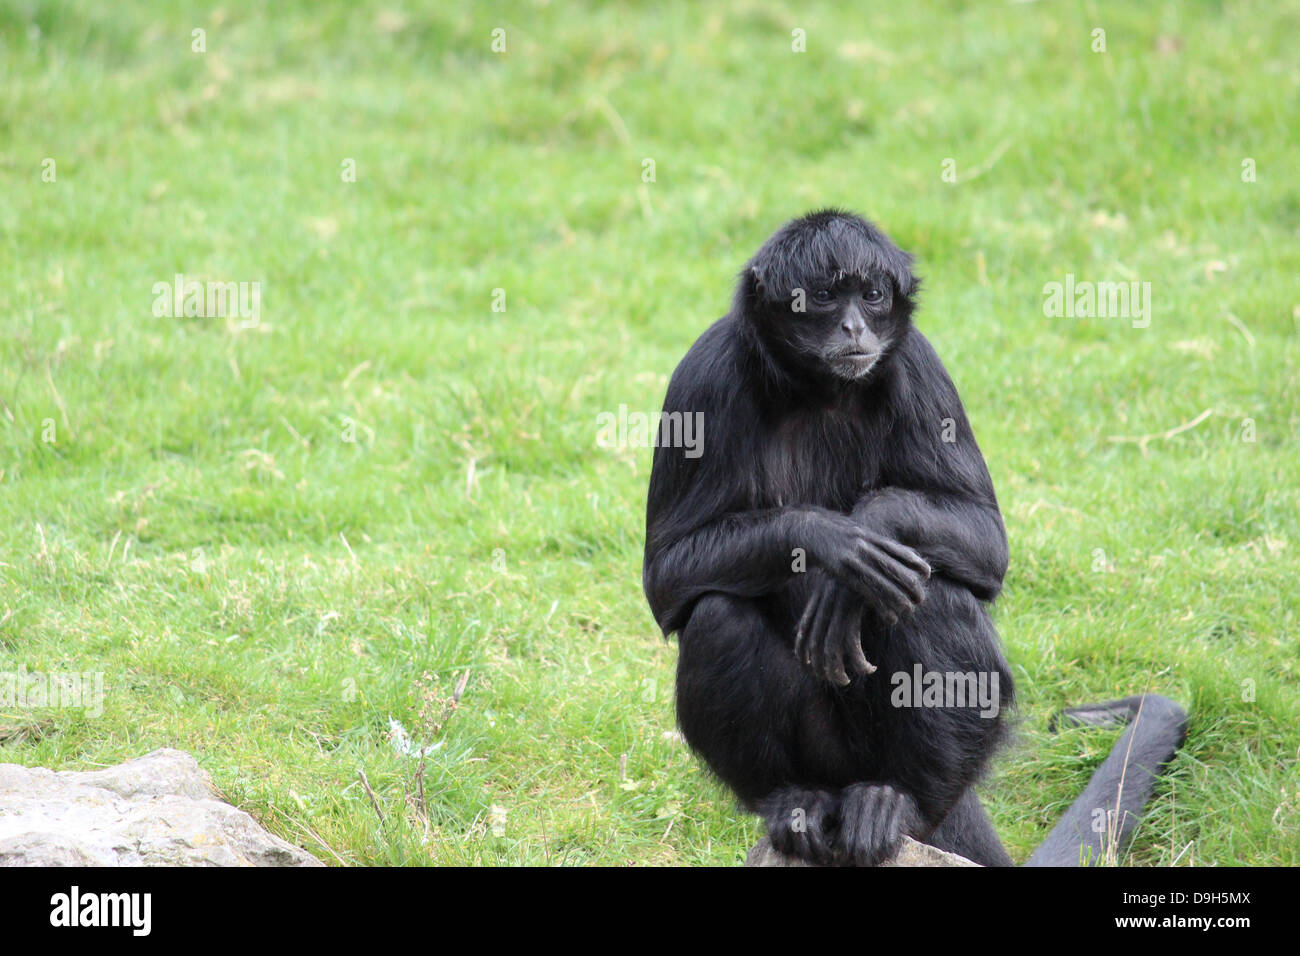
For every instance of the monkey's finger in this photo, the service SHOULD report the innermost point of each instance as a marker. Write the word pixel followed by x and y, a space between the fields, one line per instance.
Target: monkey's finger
pixel 860 575
pixel 805 625
pixel 881 594
pixel 842 628
pixel 805 622
pixel 909 582
pixel 876 587
pixel 904 555
pixel 897 817
pixel 816 638
pixel 851 631
pixel 832 668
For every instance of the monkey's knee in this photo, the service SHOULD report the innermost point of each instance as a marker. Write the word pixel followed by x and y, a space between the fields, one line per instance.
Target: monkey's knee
pixel 717 643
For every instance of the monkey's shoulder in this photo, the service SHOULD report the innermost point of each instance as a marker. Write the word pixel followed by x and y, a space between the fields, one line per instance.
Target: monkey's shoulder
pixel 713 376
pixel 920 364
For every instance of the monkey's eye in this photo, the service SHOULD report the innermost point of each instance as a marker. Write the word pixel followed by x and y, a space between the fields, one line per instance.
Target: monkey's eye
pixel 874 295
pixel 823 295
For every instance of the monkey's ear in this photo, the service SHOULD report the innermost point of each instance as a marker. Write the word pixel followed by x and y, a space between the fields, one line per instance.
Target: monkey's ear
pixel 908 283
pixel 750 290
pixel 899 266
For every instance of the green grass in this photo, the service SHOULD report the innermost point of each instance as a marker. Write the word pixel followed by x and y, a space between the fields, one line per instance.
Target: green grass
pixel 265 594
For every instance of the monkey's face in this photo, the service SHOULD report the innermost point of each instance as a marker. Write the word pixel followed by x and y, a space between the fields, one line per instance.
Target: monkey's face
pixel 846 324
pixel 829 294
pixel 834 324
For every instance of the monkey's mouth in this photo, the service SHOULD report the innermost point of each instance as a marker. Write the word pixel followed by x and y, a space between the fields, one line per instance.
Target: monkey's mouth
pixel 855 364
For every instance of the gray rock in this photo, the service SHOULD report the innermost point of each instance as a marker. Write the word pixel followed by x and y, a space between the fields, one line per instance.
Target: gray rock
pixel 911 853
pixel 158 810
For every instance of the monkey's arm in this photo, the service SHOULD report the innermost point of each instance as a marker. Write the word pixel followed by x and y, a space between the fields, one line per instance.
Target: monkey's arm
pixel 746 554
pixel 935 492
pixel 961 538
pixel 752 553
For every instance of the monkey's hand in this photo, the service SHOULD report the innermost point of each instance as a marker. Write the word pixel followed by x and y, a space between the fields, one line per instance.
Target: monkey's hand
pixel 890 576
pixel 829 635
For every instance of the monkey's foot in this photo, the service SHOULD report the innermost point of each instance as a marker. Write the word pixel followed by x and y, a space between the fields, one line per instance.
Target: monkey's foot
pixel 874 818
pixel 801 823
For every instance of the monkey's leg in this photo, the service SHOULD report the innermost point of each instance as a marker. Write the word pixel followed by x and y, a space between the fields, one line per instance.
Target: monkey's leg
pixel 968 831
pixel 759 719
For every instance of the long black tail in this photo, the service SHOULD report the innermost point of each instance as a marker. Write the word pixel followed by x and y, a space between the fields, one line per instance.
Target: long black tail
pixel 1110 807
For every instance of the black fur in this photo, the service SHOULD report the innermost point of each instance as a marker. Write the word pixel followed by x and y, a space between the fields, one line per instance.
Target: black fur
pixel 834 434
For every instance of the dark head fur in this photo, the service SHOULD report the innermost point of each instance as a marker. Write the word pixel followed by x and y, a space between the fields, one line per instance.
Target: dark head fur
pixel 828 248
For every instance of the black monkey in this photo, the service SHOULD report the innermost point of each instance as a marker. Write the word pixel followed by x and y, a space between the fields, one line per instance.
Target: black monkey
pixel 838 530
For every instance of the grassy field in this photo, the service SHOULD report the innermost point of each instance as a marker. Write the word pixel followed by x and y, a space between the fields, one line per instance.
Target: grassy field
pixel 275 533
